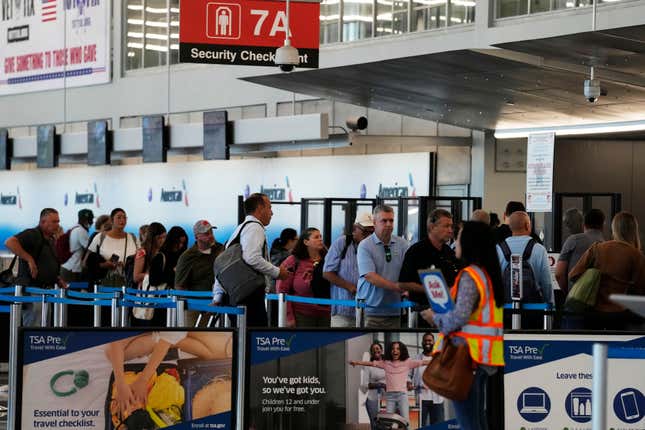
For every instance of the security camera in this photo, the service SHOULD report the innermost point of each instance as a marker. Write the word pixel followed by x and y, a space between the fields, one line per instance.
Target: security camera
pixel 592 90
pixel 286 57
pixel 357 123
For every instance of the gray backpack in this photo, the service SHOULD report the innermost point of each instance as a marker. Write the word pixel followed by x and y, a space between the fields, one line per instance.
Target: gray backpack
pixel 236 277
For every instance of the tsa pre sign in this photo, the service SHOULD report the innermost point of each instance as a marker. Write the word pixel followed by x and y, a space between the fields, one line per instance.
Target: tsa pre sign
pixel 247 32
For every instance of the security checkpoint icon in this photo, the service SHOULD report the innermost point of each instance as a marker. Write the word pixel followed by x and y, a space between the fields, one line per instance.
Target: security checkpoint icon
pixel 223 20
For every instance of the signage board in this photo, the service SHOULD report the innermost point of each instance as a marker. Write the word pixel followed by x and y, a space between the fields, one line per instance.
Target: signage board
pixel 247 32
pixel 51 44
pixel 539 172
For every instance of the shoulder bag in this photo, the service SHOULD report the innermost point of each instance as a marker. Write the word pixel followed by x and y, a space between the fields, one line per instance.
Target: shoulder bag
pixel 6 276
pixel 451 371
pixel 144 313
pixel 238 279
pixel 583 295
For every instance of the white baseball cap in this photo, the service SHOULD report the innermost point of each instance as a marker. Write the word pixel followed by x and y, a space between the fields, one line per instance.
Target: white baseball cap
pixel 364 219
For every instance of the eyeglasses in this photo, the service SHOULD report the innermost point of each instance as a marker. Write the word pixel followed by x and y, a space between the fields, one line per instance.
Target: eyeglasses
pixel 388 253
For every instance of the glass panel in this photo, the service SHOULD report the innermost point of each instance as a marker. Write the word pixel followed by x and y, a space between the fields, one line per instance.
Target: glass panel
pixel 400 19
pixel 568 203
pixel 338 211
pixel 134 35
pixel 506 8
pixel 358 19
pixel 462 12
pixel 383 17
pixel 412 225
pixel 284 216
pixel 316 214
pixel 540 6
pixel 174 31
pixel 156 33
pixel 428 14
pixel 329 18
pixel 568 4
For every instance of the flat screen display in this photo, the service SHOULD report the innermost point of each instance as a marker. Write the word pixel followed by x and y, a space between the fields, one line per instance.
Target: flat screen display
pixel 98 148
pixel 154 139
pixel 47 150
pixel 216 136
pixel 5 150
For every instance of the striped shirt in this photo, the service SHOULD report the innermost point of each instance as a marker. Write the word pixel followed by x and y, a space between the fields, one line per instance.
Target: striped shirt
pixel 347 268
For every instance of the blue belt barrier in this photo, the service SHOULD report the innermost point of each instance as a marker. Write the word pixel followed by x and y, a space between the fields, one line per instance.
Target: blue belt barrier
pixel 146 299
pixel 618 352
pixel 66 301
pixel 199 305
pixel 20 299
pixel 186 293
pixel 149 292
pixel 531 306
pixel 77 286
pixel 8 290
pixel 91 296
pixel 146 304
pixel 41 291
pixel 349 303
pixel 5 309
pixel 104 289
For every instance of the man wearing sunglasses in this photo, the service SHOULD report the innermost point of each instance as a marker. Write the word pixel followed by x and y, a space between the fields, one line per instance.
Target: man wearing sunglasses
pixel 380 257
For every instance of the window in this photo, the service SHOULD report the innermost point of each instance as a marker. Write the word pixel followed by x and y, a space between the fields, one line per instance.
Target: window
pixel 428 14
pixel 329 21
pixel 152 31
pixel 358 19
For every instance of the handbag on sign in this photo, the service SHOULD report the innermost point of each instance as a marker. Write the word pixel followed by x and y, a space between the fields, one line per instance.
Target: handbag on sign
pixel 451 371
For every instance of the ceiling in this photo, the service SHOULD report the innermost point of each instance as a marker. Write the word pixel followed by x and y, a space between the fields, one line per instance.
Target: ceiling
pixel 496 88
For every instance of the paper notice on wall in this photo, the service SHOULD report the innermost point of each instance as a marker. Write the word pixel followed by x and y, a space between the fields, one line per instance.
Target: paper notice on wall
pixel 539 172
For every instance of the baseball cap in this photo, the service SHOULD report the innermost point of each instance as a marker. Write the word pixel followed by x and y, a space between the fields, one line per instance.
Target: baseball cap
pixel 202 226
pixel 364 219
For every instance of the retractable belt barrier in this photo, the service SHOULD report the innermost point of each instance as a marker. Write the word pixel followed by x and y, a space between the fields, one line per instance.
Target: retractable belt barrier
pixel 358 304
pixel 517 309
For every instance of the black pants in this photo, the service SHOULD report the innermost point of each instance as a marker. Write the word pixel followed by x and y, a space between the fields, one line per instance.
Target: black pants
pixel 256 314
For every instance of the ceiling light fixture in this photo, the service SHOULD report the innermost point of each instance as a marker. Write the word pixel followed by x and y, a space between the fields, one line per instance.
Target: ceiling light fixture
pixel 573 130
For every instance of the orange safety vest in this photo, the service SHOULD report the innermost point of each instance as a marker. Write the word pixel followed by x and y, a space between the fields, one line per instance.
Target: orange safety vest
pixel 484 331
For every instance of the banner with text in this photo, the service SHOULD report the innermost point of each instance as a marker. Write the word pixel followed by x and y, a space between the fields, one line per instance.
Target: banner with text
pixel 548 381
pixel 539 172
pixel 115 379
pixel 247 32
pixel 304 380
pixel 51 44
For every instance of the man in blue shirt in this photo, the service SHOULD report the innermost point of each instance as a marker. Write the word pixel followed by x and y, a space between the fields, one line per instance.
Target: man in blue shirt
pixel 380 257
pixel 341 269
pixel 520 225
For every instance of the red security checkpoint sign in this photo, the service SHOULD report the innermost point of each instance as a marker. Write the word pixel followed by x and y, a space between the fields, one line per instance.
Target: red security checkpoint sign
pixel 246 32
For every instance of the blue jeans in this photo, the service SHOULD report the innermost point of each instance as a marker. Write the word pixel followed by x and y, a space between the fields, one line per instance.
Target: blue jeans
pixel 398 400
pixel 431 412
pixel 471 413
pixel 372 411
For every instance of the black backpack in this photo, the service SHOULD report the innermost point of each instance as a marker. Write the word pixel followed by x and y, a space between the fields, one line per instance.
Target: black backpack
pixel 531 292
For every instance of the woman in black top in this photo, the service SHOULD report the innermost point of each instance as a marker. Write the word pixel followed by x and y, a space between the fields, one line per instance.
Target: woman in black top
pixel 163 272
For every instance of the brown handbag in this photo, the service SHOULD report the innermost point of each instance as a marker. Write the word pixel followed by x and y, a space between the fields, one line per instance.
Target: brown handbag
pixel 451 371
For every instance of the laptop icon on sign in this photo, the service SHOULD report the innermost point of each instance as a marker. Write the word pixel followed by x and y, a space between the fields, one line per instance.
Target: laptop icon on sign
pixel 533 403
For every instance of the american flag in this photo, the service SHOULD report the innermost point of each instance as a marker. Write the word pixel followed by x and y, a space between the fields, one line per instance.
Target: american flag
pixel 48 10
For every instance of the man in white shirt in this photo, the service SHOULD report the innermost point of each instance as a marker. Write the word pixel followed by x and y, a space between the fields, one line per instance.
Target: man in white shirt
pixel 430 403
pixel 71 270
pixel 255 253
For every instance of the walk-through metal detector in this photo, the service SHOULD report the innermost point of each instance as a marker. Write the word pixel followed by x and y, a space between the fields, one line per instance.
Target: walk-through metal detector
pixel 335 216
pixel 609 203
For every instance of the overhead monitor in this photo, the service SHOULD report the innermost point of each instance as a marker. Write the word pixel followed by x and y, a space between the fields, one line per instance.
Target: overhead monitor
pixel 216 136
pixel 5 150
pixel 98 145
pixel 48 148
pixel 155 139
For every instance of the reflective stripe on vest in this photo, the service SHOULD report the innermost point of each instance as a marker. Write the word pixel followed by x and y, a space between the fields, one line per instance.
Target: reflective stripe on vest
pixel 484 332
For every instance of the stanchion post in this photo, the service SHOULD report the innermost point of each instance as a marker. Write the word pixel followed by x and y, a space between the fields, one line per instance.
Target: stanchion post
pixel 516 317
pixel 62 313
pixel 241 366
pixel 115 310
pixel 15 316
pixel 97 310
pixel 599 387
pixel 548 318
pixel 268 307
pixel 412 318
pixel 56 307
pixel 282 310
pixel 171 314
pixel 199 321
pixel 360 313
pixel 124 310
pixel 179 317
pixel 227 320
pixel 44 312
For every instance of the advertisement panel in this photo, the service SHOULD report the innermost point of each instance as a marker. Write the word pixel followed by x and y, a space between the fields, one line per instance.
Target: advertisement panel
pixel 182 193
pixel 303 379
pixel 51 44
pixel 115 379
pixel 247 32
pixel 539 172
pixel 548 381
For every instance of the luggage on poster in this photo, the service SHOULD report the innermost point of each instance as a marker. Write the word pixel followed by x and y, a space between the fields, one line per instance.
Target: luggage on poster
pixel 385 421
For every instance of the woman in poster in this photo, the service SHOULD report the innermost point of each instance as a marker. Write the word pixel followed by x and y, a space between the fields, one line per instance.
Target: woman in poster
pixel 373 383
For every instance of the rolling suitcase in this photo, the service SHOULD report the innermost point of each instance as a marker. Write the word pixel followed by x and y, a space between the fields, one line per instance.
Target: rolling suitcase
pixel 385 421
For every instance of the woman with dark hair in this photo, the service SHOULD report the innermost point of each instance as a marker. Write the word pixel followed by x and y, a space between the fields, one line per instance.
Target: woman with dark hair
pixel 175 245
pixel 282 246
pixel 146 255
pixel 110 249
pixel 373 383
pixel 305 279
pixel 477 318
pixel 397 365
